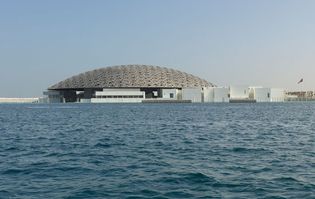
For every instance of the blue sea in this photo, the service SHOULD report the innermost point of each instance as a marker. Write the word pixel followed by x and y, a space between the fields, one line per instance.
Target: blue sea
pixel 262 150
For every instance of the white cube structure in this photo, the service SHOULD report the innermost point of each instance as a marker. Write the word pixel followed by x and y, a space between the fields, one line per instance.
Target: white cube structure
pixel 169 93
pixel 239 92
pixel 193 94
pixel 216 94
pixel 260 94
pixel 208 94
pixel 221 94
pixel 277 95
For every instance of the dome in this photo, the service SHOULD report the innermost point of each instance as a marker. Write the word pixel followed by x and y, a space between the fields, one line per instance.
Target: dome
pixel 132 76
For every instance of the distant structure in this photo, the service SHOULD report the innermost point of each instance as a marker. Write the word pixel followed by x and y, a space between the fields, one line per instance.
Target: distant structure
pixel 300 96
pixel 129 83
pixel 151 84
pixel 19 100
pixel 244 94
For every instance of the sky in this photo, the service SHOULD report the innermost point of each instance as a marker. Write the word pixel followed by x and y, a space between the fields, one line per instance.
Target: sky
pixel 267 43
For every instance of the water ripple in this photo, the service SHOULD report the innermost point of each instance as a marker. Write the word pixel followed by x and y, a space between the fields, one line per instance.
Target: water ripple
pixel 160 151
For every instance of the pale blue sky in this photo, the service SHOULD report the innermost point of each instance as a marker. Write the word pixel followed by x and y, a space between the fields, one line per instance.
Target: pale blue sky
pixel 244 42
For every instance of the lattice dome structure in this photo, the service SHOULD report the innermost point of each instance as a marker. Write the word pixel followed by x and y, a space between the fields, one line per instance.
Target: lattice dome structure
pixel 132 76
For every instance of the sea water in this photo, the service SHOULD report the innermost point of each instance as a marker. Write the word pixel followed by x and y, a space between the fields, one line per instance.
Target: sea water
pixel 262 150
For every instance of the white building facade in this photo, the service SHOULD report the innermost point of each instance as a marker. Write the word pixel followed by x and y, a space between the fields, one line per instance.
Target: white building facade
pixel 216 94
pixel 118 96
pixel 193 94
pixel 277 95
pixel 260 94
pixel 169 94
pixel 239 92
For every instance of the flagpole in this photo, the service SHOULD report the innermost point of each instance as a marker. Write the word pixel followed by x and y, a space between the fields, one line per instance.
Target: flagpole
pixel 301 97
pixel 302 92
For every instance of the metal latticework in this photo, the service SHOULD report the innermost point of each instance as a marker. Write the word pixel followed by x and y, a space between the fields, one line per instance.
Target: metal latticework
pixel 132 76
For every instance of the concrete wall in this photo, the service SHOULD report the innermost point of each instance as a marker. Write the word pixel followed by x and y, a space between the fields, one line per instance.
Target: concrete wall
pixel 216 94
pixel 221 94
pixel 239 92
pixel 193 94
pixel 19 100
pixel 179 94
pixel 118 96
pixel 260 94
pixel 208 94
pixel 169 93
pixel 277 95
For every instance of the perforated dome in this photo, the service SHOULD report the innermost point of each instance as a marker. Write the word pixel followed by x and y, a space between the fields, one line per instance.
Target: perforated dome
pixel 132 76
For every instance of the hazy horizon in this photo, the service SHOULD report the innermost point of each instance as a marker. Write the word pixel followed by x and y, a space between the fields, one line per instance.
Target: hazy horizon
pixel 255 43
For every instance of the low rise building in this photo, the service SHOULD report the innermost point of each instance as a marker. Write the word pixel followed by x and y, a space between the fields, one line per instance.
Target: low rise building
pixel 128 84
pixel 118 96
pixel 260 94
pixel 19 100
pixel 193 94
pixel 277 95
pixel 239 92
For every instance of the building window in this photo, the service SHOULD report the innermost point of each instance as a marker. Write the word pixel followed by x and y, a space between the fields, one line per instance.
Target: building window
pixel 171 95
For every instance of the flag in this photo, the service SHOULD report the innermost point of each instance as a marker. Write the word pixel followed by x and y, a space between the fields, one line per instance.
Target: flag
pixel 300 81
